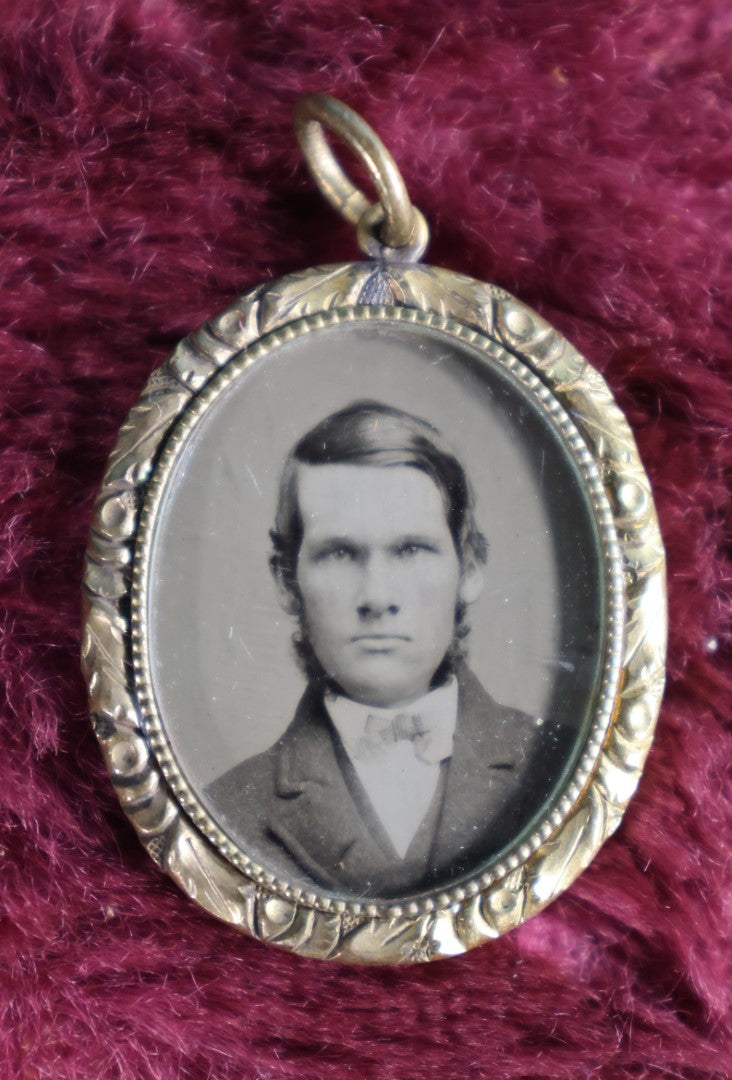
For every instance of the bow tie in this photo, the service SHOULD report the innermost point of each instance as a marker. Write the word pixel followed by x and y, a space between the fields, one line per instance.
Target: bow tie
pixel 430 744
pixel 428 724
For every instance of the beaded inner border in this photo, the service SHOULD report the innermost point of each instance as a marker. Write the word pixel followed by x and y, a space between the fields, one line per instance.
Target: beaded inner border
pixel 153 722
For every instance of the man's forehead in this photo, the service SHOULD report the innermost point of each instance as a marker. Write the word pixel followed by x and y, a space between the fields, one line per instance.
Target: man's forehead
pixel 367 499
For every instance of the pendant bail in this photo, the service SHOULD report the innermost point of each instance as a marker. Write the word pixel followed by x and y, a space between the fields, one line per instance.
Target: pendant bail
pixel 391 228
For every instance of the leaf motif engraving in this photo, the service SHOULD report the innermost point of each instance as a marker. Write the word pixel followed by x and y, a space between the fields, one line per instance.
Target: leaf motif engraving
pixel 104 661
pixel 451 295
pixel 307 293
pixel 563 857
pixel 141 435
pixel 205 876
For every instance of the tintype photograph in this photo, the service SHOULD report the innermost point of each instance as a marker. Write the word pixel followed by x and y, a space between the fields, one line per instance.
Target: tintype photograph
pixel 377 606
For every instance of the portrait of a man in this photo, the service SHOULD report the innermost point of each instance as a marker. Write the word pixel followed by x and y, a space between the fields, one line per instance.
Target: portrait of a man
pixel 398 771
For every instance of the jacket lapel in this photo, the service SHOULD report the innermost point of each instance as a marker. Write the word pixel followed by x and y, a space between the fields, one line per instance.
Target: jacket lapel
pixel 314 815
pixel 481 778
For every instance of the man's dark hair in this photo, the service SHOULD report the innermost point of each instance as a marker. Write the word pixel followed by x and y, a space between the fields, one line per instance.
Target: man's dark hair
pixel 370 433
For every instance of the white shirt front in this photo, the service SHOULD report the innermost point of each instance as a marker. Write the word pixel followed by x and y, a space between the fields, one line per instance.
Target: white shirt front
pixel 400 775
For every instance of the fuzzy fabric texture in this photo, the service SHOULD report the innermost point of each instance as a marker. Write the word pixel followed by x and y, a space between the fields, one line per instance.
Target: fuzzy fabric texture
pixel 580 155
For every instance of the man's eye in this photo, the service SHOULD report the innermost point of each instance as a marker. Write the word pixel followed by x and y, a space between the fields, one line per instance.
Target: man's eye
pixel 411 549
pixel 337 554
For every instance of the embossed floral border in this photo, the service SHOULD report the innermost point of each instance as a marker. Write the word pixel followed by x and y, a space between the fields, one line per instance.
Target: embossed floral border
pixel 446 924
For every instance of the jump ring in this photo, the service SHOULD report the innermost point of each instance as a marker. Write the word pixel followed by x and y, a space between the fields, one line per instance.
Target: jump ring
pixel 368 234
pixel 312 113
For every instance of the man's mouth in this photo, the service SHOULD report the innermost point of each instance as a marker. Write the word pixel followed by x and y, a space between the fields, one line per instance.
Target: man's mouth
pixel 379 639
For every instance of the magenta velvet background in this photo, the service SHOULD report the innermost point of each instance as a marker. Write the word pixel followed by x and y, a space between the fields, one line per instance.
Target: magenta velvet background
pixel 578 154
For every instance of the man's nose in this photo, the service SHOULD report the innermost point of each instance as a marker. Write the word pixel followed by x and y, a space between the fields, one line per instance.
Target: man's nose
pixel 377 594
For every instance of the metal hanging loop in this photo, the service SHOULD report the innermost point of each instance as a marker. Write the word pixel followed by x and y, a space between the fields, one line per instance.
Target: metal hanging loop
pixel 391 228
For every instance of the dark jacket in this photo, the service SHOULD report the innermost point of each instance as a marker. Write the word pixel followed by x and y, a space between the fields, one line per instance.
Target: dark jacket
pixel 294 810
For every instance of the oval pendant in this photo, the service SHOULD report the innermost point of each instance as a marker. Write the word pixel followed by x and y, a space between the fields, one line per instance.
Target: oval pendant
pixel 375 599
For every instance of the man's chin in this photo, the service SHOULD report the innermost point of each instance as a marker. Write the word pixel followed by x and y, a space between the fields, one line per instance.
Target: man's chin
pixel 381 691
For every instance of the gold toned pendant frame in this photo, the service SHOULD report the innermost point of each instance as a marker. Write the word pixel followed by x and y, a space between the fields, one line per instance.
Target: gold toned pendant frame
pixel 171 822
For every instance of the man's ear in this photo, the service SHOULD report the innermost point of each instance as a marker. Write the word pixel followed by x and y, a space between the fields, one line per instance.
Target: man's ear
pixel 286 590
pixel 471 582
